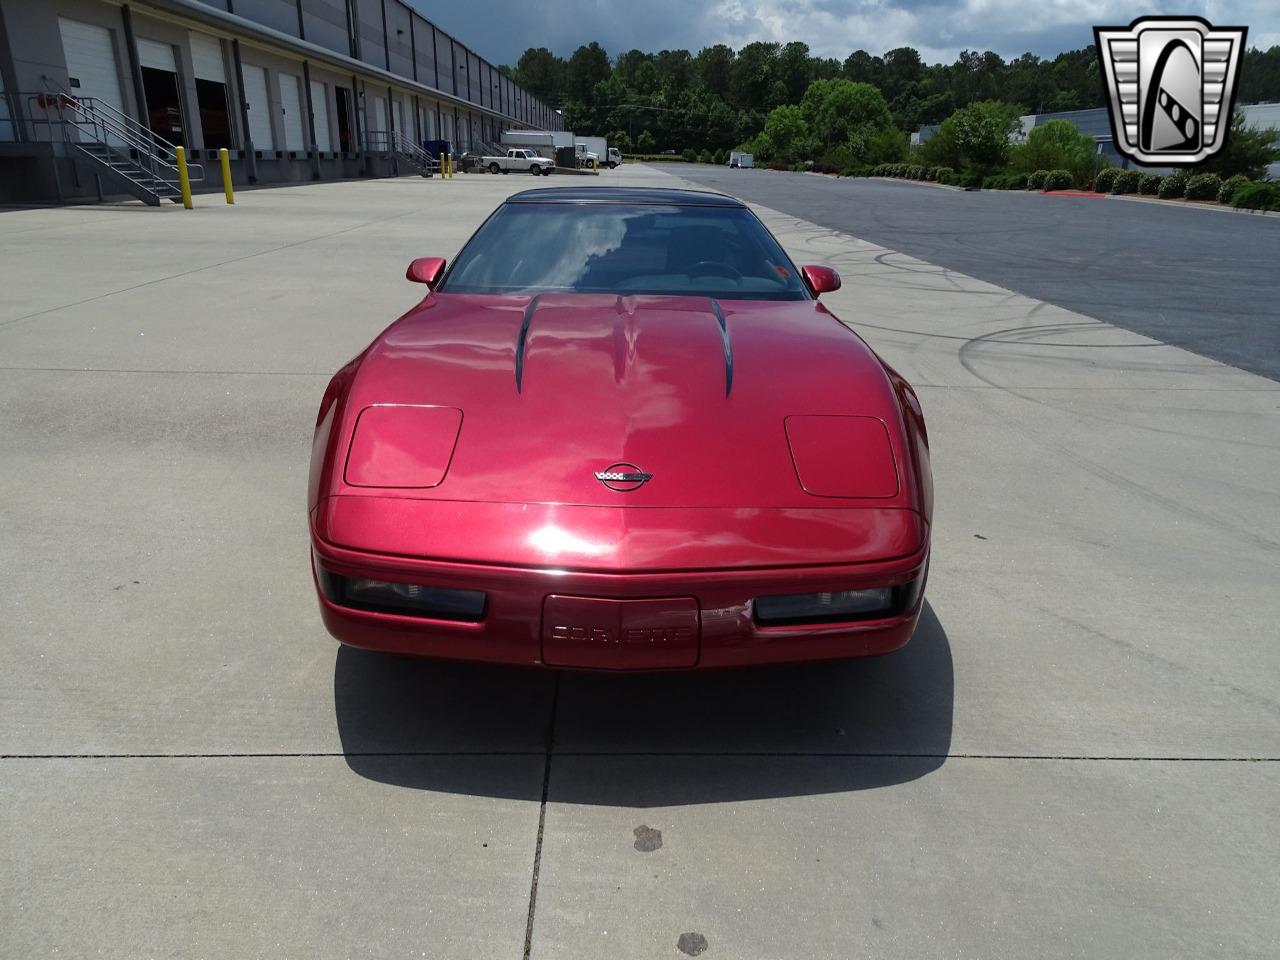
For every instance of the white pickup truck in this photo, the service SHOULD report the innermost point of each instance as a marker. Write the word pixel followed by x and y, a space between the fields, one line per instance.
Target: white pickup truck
pixel 519 160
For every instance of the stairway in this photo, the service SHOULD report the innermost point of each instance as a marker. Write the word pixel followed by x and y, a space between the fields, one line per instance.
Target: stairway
pixel 121 151
pixel 393 141
pixel 117 167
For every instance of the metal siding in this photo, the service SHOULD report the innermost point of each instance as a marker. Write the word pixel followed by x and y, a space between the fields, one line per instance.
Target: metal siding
pixel 460 70
pixel 279 15
pixel 373 47
pixel 444 56
pixel 400 42
pixel 325 22
pixel 426 52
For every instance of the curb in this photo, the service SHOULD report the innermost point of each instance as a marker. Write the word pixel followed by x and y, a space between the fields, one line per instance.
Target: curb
pixel 1191 204
pixel 913 183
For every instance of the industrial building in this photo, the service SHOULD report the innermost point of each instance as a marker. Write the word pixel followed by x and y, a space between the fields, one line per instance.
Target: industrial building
pixel 94 94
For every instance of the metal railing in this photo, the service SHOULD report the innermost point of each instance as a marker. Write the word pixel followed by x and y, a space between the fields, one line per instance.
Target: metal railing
pixel 393 141
pixel 100 125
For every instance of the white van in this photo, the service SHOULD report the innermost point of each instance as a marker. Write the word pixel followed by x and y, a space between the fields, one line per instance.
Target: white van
pixel 743 160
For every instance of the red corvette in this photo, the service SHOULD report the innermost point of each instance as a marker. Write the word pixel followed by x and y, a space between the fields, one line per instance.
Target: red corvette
pixel 620 432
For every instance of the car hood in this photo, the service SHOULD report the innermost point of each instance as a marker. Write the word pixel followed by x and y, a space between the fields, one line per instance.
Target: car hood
pixel 551 390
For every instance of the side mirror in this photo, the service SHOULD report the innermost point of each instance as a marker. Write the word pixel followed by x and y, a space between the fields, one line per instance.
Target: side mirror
pixel 820 279
pixel 428 270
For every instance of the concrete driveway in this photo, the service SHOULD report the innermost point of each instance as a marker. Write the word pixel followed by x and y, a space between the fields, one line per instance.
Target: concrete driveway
pixel 1075 757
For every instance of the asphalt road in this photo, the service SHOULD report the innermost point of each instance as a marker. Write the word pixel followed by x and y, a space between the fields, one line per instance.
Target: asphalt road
pixel 1206 281
pixel 1077 755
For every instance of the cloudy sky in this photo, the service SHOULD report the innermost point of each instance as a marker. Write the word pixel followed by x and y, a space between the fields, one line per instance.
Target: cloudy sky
pixel 832 28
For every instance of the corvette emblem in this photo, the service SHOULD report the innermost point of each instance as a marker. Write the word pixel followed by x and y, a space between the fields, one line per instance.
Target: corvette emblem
pixel 1170 82
pixel 623 477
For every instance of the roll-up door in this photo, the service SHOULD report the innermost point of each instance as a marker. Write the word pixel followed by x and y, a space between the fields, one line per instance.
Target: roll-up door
pixel 91 64
pixel 156 55
pixel 212 95
pixel 206 58
pixel 255 95
pixel 295 137
pixel 320 109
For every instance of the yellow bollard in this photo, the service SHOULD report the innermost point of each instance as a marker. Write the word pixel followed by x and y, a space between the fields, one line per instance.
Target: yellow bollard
pixel 448 166
pixel 184 182
pixel 224 158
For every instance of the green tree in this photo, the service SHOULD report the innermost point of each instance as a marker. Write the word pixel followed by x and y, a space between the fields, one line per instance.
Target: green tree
pixel 788 134
pixel 620 140
pixel 981 132
pixel 795 70
pixel 587 67
pixel 753 75
pixel 840 112
pixel 541 73
pixel 645 142
pixel 1248 150
pixel 714 67
pixel 1056 145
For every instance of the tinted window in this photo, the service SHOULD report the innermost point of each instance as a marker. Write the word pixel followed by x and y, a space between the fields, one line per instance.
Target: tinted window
pixel 625 249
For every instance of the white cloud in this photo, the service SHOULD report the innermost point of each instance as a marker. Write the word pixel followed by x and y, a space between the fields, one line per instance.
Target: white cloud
pixel 832 28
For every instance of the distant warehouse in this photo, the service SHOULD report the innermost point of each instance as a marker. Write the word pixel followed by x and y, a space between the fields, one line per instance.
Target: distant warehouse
pixel 94 93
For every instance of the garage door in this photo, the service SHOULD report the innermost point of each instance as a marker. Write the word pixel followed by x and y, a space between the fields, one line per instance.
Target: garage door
pixel 156 55
pixel 91 62
pixel 206 58
pixel 291 111
pixel 320 107
pixel 255 94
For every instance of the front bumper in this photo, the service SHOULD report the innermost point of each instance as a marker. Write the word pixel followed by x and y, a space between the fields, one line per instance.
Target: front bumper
pixel 529 614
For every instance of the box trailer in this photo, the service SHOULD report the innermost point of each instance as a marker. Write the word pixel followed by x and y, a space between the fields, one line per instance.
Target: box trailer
pixel 594 145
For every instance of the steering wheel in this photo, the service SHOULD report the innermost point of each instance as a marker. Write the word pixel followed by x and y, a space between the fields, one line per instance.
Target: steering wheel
pixel 713 268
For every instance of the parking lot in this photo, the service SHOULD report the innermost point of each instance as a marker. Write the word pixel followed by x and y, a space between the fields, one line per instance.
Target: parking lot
pixel 1077 756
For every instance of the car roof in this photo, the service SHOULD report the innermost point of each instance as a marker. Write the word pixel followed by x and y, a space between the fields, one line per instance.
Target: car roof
pixel 662 195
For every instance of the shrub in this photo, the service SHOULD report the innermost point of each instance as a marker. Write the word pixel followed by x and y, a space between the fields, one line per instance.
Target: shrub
pixel 1106 177
pixel 1150 184
pixel 1204 186
pixel 1005 181
pixel 940 174
pixel 1126 182
pixel 1059 180
pixel 1258 195
pixel 856 170
pixel 1173 186
pixel 706 157
pixel 1036 180
pixel 1230 186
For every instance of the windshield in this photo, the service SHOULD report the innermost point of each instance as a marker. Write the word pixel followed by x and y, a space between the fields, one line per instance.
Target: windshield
pixel 622 248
